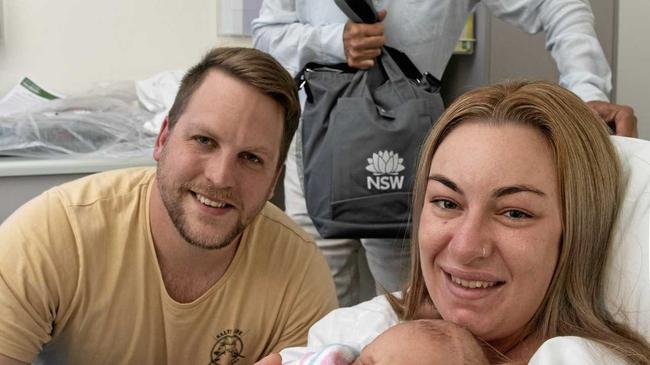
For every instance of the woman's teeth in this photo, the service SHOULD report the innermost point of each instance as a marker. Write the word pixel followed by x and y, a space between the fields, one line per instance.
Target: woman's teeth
pixel 210 203
pixel 473 284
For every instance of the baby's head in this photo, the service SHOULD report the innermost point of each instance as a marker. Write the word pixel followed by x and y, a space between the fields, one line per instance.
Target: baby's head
pixel 426 342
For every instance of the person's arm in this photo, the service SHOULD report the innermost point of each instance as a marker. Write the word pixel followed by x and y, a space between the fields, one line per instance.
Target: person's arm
pixel 570 38
pixel 620 118
pixel 38 276
pixel 572 41
pixel 9 361
pixel 280 31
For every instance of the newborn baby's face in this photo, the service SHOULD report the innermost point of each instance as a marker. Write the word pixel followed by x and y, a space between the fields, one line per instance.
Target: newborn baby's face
pixel 401 344
pixel 425 342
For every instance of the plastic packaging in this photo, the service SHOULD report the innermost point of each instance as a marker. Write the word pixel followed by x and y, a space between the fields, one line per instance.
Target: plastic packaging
pixel 107 122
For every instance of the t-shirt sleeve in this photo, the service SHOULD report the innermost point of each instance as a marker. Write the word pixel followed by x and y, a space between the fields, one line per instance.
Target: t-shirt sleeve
pixel 38 267
pixel 315 298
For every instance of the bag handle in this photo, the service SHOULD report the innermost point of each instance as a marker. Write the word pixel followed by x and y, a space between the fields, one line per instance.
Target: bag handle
pixel 364 82
pixel 400 83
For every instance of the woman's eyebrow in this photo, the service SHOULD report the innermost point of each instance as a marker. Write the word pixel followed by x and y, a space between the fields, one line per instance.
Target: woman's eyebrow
pixel 514 189
pixel 506 190
pixel 446 182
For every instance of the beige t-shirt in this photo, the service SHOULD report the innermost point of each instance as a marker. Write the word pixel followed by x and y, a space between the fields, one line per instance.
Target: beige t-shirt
pixel 80 284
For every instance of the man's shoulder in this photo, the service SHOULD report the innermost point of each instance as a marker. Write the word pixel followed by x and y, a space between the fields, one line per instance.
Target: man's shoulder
pixel 61 204
pixel 104 186
pixel 276 239
pixel 273 219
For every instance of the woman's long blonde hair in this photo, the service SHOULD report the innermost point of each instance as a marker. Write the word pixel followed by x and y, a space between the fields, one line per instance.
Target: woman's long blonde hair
pixel 588 179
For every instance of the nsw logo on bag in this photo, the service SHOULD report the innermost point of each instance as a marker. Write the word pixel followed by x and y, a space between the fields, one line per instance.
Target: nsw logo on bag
pixel 385 167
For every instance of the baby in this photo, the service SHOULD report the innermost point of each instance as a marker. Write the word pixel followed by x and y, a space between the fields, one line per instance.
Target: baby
pixel 426 342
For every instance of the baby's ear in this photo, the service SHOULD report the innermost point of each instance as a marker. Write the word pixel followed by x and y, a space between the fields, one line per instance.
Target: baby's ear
pixel 357 361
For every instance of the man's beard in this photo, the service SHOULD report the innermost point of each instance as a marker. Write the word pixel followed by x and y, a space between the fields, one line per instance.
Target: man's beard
pixel 172 194
pixel 205 241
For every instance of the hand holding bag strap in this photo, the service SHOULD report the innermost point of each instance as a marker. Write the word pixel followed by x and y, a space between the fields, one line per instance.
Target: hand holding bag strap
pixel 363 11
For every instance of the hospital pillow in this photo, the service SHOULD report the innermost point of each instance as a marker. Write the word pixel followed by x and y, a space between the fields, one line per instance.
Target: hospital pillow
pixel 628 273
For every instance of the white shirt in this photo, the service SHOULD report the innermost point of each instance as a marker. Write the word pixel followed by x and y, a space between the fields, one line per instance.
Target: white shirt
pixel 357 326
pixel 300 31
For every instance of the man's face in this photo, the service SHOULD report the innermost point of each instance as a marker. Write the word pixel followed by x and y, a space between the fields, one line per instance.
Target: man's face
pixel 219 163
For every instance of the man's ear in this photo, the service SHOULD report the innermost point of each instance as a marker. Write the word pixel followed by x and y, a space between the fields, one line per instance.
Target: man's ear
pixel 161 140
pixel 278 173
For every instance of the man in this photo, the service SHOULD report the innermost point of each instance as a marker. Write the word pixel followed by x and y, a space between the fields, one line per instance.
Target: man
pixel 183 264
pixel 296 32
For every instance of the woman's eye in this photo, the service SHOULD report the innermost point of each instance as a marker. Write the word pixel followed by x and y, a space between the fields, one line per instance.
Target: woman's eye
pixel 516 214
pixel 445 204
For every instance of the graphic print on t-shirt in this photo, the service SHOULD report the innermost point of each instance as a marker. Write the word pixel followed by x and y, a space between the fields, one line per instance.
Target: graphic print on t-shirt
pixel 228 349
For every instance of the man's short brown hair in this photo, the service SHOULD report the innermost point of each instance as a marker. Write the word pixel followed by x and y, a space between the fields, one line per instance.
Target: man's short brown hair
pixel 254 68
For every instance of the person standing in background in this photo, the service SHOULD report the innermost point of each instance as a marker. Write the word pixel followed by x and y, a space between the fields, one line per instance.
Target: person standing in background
pixel 296 32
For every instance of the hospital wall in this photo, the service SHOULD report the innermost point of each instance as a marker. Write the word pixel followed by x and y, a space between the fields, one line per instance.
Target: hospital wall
pixel 633 63
pixel 68 45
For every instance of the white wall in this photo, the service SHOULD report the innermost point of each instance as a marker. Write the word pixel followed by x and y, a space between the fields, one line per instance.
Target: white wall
pixel 67 45
pixel 633 67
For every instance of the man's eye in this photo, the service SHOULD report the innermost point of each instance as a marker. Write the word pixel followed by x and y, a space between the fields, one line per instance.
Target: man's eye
pixel 202 140
pixel 251 158
pixel 516 214
pixel 445 204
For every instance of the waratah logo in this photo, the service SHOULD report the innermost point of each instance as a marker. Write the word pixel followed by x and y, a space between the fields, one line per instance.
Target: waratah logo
pixel 385 167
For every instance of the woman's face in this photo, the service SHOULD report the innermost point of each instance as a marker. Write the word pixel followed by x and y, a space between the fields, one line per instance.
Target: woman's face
pixel 490 228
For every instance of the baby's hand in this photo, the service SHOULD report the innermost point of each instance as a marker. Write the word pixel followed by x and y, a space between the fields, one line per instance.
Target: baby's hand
pixel 272 359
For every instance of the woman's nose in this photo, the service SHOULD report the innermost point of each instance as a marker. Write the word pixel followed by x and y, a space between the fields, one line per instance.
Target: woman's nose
pixel 471 241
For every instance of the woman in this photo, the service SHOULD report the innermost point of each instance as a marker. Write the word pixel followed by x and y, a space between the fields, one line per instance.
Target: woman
pixel 516 195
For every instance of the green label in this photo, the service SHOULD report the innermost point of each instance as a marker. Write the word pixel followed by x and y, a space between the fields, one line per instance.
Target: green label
pixel 31 86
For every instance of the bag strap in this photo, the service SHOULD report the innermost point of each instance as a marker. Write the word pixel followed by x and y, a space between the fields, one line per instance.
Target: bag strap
pixel 359 11
pixel 404 62
pixel 301 82
pixel 365 82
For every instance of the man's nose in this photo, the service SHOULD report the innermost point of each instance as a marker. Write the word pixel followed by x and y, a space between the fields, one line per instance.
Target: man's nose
pixel 221 170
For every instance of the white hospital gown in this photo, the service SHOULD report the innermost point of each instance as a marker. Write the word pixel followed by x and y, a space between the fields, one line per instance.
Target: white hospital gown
pixel 357 326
